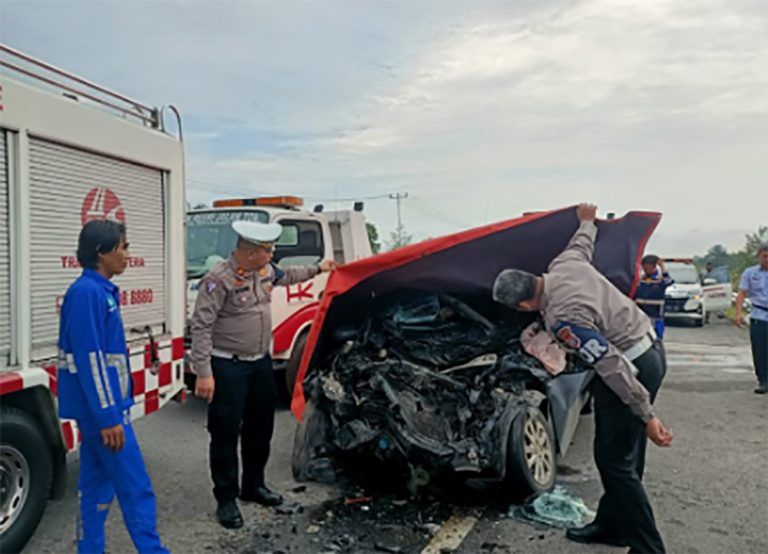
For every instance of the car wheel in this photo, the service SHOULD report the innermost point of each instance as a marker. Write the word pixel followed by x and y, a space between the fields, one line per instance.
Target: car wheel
pixel 531 455
pixel 292 367
pixel 699 322
pixel 26 472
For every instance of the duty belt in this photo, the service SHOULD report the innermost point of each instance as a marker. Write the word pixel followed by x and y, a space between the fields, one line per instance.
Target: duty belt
pixel 236 357
pixel 641 347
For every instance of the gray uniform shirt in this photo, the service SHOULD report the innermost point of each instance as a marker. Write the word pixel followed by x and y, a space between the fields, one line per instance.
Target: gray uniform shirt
pixel 232 311
pixel 576 294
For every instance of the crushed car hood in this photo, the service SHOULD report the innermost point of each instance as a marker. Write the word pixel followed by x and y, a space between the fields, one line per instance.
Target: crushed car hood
pixel 468 263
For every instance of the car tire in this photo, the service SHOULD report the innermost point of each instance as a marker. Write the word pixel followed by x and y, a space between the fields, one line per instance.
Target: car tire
pixel 294 363
pixel 531 455
pixel 26 474
pixel 699 322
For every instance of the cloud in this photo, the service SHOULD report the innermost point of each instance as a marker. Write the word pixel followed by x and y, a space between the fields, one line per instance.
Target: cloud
pixel 480 110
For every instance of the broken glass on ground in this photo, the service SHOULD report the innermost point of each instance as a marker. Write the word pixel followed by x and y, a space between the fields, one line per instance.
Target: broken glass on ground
pixel 558 508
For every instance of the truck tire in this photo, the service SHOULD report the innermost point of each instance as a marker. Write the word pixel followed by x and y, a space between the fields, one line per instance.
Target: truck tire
pixel 26 473
pixel 292 367
pixel 531 455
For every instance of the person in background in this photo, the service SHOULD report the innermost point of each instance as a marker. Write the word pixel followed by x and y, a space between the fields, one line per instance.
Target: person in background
pixel 754 285
pixel 651 291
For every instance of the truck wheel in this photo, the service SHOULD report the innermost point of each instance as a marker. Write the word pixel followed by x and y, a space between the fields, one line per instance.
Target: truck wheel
pixel 531 455
pixel 292 367
pixel 26 473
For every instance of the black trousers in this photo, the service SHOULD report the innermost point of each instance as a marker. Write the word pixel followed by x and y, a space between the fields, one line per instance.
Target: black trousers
pixel 620 444
pixel 758 335
pixel 243 407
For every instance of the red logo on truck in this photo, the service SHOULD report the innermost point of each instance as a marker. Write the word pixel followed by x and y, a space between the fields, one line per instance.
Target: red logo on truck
pixel 101 203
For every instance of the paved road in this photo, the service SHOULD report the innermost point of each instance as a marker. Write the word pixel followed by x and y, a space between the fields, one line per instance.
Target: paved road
pixel 709 491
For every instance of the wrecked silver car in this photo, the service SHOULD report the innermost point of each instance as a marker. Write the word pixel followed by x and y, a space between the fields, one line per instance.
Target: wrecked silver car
pixel 412 365
pixel 436 384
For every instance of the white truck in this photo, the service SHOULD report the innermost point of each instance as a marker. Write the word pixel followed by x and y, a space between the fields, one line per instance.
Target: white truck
pixel 72 151
pixel 307 238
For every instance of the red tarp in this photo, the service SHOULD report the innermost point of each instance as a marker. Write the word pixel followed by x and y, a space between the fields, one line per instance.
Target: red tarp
pixel 468 263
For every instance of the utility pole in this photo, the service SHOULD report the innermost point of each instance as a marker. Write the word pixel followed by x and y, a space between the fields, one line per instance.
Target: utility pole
pixel 399 196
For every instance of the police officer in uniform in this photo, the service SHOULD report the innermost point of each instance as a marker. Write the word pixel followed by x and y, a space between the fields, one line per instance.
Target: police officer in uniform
pixel 590 316
pixel 231 336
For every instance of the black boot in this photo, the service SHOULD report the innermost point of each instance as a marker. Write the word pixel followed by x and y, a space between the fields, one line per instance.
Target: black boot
pixel 762 388
pixel 594 533
pixel 261 495
pixel 229 515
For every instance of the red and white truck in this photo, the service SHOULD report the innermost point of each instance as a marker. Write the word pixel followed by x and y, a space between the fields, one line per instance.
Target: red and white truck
pixel 72 151
pixel 308 237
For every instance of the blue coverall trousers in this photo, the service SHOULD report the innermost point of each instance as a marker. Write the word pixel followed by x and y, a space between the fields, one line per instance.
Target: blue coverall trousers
pixel 104 474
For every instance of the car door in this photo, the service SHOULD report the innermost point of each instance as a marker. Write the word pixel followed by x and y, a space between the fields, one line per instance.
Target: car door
pixel 567 394
pixel 717 290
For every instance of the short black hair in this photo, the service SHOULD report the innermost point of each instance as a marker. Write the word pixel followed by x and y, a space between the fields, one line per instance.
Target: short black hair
pixel 650 259
pixel 98 237
pixel 513 286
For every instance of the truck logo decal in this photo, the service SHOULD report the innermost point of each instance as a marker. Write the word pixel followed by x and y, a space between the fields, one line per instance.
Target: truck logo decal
pixel 302 292
pixel 101 203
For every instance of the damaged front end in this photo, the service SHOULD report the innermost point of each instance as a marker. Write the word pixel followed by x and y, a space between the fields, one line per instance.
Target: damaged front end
pixel 438 384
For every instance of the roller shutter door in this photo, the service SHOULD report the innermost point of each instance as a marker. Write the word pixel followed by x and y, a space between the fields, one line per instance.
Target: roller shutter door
pixel 68 187
pixel 5 267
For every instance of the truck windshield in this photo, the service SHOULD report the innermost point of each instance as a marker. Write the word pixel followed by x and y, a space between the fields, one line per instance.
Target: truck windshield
pixel 683 274
pixel 210 237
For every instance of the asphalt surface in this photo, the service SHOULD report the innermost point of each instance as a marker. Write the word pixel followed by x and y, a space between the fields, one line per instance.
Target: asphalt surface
pixel 709 490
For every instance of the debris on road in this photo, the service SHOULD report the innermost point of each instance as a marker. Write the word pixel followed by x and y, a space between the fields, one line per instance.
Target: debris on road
pixel 357 500
pixel 382 547
pixel 558 509
pixel 289 509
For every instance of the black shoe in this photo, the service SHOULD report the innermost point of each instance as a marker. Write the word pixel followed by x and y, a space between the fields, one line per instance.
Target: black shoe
pixel 263 496
pixel 762 388
pixel 229 515
pixel 593 533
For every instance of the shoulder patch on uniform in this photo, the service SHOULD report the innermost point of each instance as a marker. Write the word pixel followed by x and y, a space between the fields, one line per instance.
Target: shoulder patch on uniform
pixel 210 286
pixel 589 344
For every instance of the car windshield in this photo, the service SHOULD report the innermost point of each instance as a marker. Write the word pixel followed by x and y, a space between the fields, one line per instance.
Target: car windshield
pixel 210 237
pixel 683 274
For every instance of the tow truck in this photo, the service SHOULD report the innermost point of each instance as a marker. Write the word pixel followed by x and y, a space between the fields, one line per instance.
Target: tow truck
pixel 307 238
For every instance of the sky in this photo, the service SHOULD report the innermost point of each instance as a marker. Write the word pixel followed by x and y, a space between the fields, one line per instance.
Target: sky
pixel 480 111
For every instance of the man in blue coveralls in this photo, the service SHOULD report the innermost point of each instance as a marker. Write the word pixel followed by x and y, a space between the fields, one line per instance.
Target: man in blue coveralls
pixel 651 291
pixel 95 389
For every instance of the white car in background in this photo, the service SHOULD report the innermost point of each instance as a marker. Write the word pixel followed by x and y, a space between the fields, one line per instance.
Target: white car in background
pixel 685 298
pixel 693 298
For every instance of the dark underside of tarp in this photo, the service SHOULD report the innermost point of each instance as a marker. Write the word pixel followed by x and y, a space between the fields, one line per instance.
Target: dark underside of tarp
pixel 470 267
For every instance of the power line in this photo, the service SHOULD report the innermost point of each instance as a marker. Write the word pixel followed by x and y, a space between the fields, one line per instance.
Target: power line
pixel 433 212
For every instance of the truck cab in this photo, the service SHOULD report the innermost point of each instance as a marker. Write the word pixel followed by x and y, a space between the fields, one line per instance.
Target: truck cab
pixel 307 238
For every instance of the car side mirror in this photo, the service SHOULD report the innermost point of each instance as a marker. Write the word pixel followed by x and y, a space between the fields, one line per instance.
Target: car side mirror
pixel 710 281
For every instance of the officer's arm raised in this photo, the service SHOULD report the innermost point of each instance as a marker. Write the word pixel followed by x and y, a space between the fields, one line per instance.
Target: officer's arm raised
pixel 581 248
pixel 210 299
